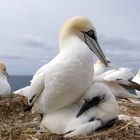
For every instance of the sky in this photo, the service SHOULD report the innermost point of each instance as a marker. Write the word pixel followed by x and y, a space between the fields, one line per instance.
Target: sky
pixel 29 30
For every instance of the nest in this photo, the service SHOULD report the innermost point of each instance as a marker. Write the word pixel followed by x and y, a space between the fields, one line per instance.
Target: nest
pixel 17 123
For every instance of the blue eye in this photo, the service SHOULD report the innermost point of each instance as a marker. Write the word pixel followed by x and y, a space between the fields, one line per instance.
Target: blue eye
pixel 90 33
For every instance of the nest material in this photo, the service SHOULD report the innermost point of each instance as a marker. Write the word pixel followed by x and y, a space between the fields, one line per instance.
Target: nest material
pixel 16 123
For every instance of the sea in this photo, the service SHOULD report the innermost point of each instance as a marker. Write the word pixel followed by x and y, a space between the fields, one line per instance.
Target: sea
pixel 19 81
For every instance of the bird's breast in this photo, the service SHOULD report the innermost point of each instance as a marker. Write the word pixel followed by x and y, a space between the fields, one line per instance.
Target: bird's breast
pixel 67 78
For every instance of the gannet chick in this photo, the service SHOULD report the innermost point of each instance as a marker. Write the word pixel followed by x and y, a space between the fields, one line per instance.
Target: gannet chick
pixel 69 74
pixel 99 111
pixel 5 88
pixel 96 110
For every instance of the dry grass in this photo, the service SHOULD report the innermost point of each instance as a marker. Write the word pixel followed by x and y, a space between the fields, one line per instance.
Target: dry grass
pixel 18 124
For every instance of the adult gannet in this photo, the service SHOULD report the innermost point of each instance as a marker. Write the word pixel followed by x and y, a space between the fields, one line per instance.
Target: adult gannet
pixel 69 74
pixel 118 80
pixel 5 88
pixel 94 111
pixel 137 78
pixel 23 91
pixel 37 79
pixel 117 73
pixel 124 88
pixel 99 67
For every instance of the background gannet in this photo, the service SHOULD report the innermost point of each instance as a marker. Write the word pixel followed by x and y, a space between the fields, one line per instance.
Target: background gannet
pixel 119 73
pixel 23 91
pixel 97 108
pixel 37 84
pixel 69 74
pixel 118 80
pixel 124 88
pixel 5 88
pixel 137 80
pixel 99 67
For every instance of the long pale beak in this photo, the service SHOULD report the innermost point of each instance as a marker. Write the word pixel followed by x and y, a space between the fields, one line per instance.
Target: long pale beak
pixel 6 74
pixel 94 47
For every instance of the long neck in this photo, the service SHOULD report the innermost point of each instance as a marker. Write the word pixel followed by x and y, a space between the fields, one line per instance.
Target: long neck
pixel 67 35
pixel 75 51
pixel 75 45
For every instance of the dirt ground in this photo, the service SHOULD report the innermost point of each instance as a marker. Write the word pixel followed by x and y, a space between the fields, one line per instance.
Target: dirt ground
pixel 17 123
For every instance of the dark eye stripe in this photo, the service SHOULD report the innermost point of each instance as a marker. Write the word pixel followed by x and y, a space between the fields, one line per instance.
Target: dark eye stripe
pixel 91 34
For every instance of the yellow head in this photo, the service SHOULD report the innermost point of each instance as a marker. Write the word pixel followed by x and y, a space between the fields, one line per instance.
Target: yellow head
pixel 99 62
pixel 83 28
pixel 3 69
pixel 74 26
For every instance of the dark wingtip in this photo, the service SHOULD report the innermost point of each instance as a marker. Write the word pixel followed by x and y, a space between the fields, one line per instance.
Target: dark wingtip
pixel 136 85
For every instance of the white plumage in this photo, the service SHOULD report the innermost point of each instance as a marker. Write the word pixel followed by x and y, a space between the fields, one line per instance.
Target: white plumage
pixel 118 80
pixel 113 74
pixel 63 79
pixel 103 109
pixel 137 80
pixel 99 68
pixel 5 88
pixel 23 91
pixel 37 84
pixel 69 74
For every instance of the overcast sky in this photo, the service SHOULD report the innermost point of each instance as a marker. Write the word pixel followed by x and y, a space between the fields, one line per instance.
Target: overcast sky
pixel 29 30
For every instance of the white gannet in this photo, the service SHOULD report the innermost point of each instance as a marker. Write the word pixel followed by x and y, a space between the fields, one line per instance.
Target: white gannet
pixel 120 73
pixel 99 67
pixel 96 110
pixel 123 88
pixel 5 88
pixel 23 91
pixel 109 75
pixel 118 80
pixel 137 80
pixel 69 74
pixel 37 80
